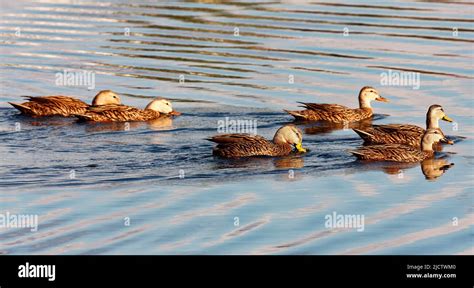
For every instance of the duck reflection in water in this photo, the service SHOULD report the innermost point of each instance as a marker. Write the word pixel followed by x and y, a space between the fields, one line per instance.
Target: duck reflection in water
pixel 289 162
pixel 432 168
pixel 292 161
pixel 435 168
pixel 323 127
pixel 110 126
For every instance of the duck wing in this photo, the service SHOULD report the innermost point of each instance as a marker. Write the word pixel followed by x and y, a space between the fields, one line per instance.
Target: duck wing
pixel 335 108
pixel 51 105
pixel 245 145
pixel 392 133
pixel 335 113
pixel 237 138
pixel 113 112
pixel 109 107
pixel 389 152
pixel 57 101
pixel 398 128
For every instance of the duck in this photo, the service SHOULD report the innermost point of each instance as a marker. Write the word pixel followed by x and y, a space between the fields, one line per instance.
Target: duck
pixel 157 108
pixel 286 138
pixel 405 134
pixel 63 105
pixel 336 113
pixel 400 152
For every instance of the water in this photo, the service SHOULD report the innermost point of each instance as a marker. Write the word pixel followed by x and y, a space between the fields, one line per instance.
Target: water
pixel 155 188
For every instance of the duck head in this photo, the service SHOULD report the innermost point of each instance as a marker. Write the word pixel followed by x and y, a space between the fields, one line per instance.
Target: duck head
pixel 434 114
pixel 367 94
pixel 106 97
pixel 163 106
pixel 290 134
pixel 431 137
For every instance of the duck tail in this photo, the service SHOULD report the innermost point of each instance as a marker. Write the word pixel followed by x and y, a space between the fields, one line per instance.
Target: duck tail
pixel 356 153
pixel 22 108
pixel 363 134
pixel 295 114
pixel 82 117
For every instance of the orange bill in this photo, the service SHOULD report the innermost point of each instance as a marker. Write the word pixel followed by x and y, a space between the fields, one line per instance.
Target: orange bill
pixel 174 113
pixel 382 99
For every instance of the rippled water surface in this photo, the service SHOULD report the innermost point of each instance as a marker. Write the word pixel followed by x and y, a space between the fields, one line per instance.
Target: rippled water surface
pixel 87 181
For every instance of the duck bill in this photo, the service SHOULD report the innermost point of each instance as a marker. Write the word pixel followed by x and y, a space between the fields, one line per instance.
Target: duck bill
pixel 382 99
pixel 300 148
pixel 174 113
pixel 447 141
pixel 446 118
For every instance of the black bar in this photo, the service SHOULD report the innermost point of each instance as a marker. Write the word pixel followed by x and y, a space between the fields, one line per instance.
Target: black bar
pixel 456 271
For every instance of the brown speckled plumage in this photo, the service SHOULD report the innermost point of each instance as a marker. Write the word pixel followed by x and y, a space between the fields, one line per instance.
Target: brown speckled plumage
pixel 63 105
pixel 403 153
pixel 392 152
pixel 51 106
pixel 403 133
pixel 336 113
pixel 118 113
pixel 331 112
pixel 244 145
pixel 392 134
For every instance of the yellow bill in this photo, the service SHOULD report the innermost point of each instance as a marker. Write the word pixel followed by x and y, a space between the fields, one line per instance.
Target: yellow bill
pixel 446 118
pixel 300 148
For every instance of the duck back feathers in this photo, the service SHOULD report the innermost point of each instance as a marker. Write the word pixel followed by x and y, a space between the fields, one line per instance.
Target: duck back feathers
pixel 245 145
pixel 51 106
pixel 391 152
pixel 118 113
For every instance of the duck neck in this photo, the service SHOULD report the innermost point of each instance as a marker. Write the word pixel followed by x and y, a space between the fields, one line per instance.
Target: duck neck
pixel 432 122
pixel 364 103
pixel 427 147
pixel 278 139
